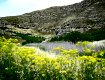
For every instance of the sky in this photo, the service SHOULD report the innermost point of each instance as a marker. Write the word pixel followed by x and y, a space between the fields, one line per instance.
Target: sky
pixel 18 7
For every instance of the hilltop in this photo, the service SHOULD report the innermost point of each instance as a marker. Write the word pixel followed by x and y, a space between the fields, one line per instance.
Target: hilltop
pixel 87 14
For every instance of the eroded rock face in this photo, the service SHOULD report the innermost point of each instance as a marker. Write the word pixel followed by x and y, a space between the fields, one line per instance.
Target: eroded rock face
pixel 77 17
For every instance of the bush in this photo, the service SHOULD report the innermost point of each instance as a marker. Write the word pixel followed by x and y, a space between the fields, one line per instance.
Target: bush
pixel 29 38
pixel 23 63
pixel 91 35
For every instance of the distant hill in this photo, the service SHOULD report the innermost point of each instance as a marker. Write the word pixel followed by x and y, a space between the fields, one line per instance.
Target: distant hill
pixel 87 14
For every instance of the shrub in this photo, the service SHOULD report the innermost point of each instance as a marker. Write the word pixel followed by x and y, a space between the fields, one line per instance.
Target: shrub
pixel 91 35
pixel 29 38
pixel 22 63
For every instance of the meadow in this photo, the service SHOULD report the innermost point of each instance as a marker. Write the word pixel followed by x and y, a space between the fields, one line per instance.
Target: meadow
pixel 19 62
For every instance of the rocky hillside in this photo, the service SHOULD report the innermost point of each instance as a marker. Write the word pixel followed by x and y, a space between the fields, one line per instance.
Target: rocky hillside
pixel 57 20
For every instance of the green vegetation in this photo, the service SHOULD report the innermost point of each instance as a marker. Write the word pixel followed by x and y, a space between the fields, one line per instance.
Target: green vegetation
pixel 24 38
pixel 23 63
pixel 29 38
pixel 91 35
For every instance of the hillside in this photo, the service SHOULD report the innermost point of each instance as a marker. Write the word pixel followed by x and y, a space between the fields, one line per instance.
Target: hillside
pixel 60 19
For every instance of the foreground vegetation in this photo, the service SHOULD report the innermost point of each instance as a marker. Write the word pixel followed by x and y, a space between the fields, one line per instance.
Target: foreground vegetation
pixel 22 63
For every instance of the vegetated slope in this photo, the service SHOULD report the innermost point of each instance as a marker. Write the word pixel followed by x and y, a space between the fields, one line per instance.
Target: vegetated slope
pixel 77 17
